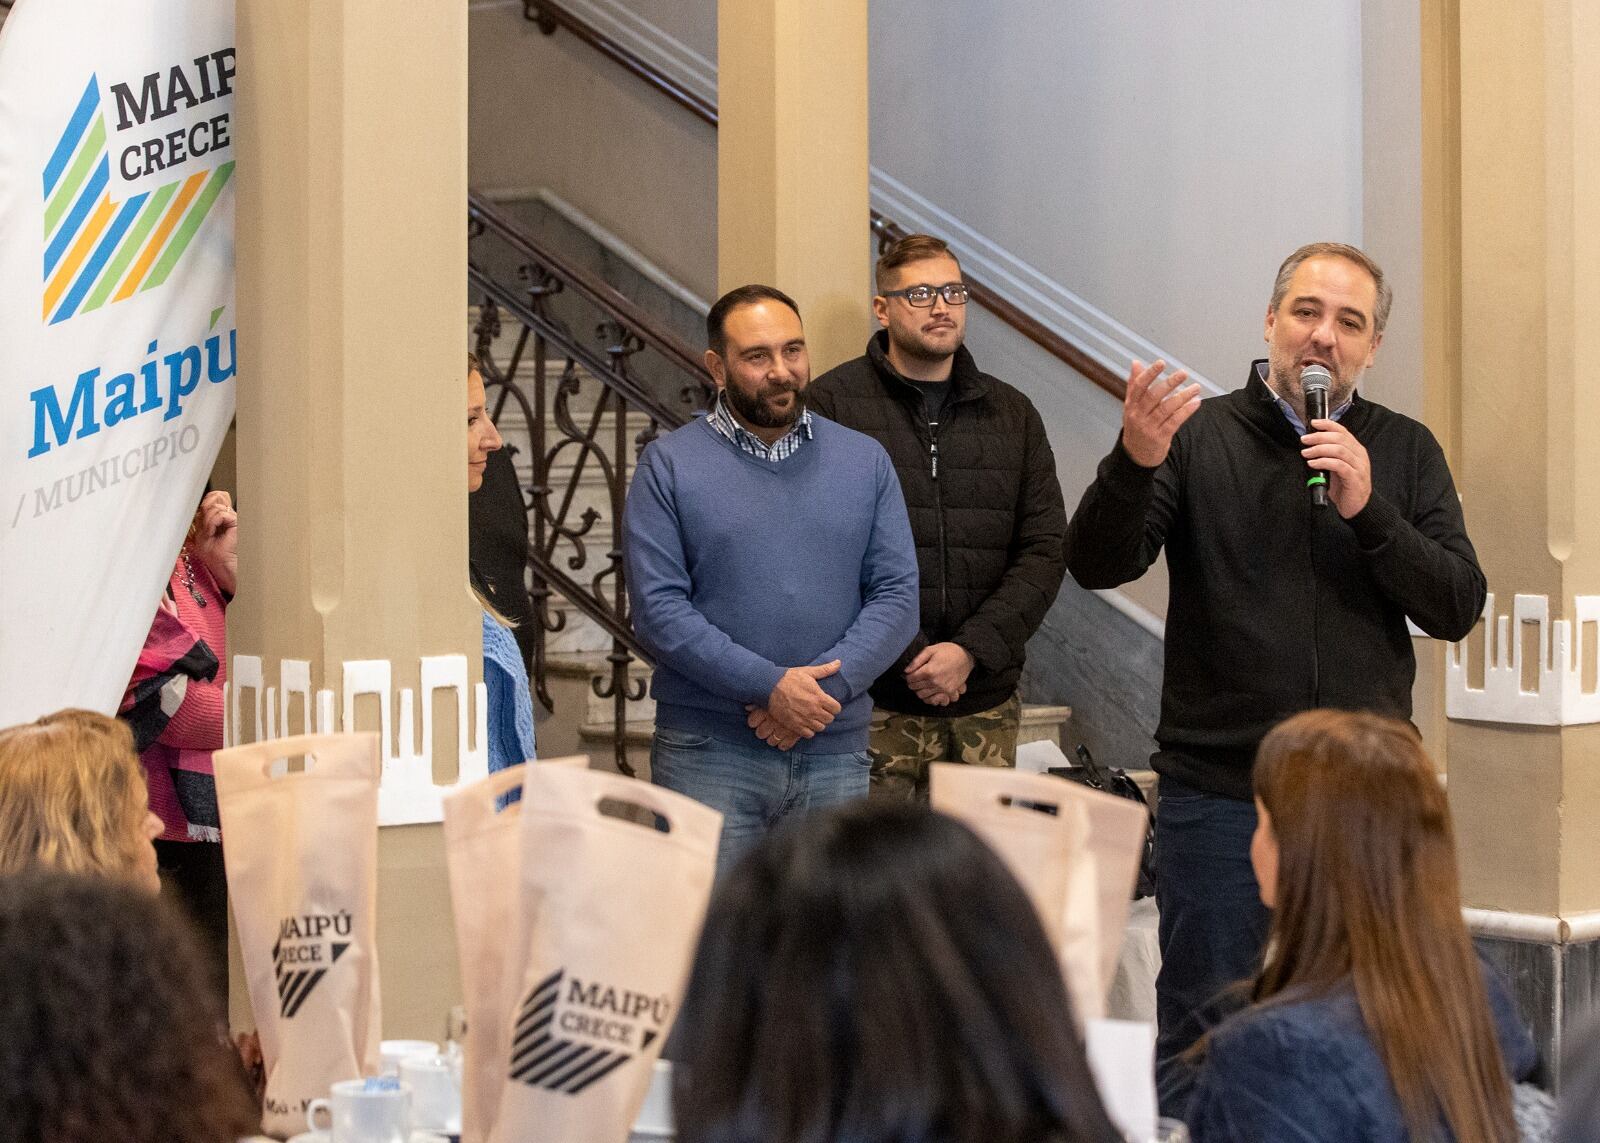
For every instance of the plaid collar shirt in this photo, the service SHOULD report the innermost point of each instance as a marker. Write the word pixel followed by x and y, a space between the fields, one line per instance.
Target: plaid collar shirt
pixel 781 449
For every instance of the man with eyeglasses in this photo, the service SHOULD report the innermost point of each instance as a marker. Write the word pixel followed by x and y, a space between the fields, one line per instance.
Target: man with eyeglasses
pixel 986 511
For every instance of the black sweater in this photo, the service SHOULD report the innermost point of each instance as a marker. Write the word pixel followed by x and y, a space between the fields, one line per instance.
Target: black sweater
pixel 1275 607
pixel 988 524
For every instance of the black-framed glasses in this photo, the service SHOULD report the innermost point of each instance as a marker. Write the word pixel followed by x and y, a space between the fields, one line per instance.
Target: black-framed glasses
pixel 954 294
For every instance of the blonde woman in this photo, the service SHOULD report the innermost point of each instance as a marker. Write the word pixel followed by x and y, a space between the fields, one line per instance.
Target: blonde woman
pixel 511 733
pixel 73 798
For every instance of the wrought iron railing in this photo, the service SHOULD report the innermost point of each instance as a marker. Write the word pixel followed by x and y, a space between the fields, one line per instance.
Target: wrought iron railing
pixel 594 380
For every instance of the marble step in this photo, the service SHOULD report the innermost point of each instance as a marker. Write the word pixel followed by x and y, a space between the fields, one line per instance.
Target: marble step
pixel 579 635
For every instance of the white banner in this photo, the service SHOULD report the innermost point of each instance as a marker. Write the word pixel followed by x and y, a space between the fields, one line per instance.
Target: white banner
pixel 117 326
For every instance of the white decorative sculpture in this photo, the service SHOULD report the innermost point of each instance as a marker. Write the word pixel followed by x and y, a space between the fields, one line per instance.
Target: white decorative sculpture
pixel 408 793
pixel 1559 700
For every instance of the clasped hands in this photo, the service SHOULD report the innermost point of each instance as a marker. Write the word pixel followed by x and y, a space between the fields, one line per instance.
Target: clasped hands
pixel 797 708
pixel 938 673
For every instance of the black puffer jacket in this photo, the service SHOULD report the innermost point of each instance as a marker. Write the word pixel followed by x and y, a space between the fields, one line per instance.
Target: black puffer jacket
pixel 985 507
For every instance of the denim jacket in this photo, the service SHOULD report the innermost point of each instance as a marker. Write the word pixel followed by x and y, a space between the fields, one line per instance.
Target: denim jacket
pixel 1308 1072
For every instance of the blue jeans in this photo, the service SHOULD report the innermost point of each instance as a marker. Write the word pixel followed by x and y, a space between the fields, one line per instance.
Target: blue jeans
pixel 1213 925
pixel 751 784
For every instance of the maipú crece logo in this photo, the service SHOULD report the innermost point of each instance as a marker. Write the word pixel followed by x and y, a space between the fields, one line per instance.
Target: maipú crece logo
pixel 308 945
pixel 98 250
pixel 571 1034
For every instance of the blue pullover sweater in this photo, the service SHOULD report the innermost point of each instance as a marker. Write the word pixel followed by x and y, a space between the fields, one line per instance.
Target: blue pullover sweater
pixel 740 568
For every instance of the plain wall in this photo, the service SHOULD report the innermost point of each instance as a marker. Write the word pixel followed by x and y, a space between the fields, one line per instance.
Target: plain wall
pixel 550 111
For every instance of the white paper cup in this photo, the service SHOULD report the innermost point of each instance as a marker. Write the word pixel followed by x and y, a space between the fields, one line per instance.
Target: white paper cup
pixel 435 1093
pixel 363 1111
pixel 655 1114
pixel 391 1052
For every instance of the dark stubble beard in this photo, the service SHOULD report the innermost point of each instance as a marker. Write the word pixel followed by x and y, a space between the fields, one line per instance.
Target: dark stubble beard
pixel 755 410
pixel 1286 384
pixel 912 345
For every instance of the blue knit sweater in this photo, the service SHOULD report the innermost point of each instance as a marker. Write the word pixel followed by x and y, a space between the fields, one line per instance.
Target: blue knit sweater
pixel 511 738
pixel 740 568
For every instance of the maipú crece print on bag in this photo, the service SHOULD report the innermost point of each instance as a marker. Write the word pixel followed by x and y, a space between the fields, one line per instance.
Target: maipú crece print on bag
pixel 572 1033
pixel 614 877
pixel 302 868
pixel 307 946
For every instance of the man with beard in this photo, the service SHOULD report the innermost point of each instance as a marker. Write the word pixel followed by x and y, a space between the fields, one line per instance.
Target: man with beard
pixel 772 575
pixel 980 485
pixel 1276 605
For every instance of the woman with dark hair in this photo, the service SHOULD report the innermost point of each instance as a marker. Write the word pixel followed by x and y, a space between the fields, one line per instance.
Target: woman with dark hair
pixel 874 974
pixel 1372 1018
pixel 109 1027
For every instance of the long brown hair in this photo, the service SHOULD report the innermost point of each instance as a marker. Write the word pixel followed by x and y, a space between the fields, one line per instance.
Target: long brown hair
pixel 72 795
pixel 1367 890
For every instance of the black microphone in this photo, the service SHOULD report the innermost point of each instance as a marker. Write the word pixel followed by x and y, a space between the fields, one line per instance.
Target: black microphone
pixel 1314 382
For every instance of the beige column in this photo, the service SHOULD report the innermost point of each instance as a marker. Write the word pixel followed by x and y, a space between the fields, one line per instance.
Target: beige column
pixel 351 414
pixel 1512 242
pixel 792 206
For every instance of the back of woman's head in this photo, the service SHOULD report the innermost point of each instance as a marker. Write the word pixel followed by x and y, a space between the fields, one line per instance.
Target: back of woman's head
pixel 1367 890
pixel 1363 833
pixel 875 974
pixel 72 795
pixel 109 1027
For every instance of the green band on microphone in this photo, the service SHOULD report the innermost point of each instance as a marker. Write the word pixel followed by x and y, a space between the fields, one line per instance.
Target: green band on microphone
pixel 1316 479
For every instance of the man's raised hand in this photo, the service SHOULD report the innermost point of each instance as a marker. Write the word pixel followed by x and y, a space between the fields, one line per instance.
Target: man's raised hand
pixel 1153 409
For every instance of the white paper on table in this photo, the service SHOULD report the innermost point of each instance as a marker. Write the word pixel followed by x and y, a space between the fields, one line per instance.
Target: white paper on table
pixel 1037 757
pixel 1122 1056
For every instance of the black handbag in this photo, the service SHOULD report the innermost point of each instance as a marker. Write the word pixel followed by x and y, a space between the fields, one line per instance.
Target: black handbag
pixel 1111 780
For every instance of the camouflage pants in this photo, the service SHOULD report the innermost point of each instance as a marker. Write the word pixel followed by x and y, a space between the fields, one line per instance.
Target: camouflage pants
pixel 903 745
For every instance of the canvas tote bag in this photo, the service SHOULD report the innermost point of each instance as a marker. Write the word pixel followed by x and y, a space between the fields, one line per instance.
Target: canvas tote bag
pixel 1042 836
pixel 1116 839
pixel 302 865
pixel 612 910
pixel 483 850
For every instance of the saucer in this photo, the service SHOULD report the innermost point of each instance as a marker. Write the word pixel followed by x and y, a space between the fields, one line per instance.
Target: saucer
pixel 327 1137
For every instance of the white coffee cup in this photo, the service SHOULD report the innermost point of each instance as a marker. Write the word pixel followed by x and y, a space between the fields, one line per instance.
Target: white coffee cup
pixel 391 1052
pixel 435 1093
pixel 364 1111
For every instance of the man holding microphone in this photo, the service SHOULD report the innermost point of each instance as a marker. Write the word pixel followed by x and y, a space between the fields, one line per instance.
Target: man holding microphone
pixel 1278 603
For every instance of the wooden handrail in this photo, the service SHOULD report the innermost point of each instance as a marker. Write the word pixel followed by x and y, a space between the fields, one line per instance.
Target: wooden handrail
pixel 551 16
pixel 1021 321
